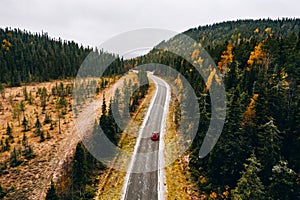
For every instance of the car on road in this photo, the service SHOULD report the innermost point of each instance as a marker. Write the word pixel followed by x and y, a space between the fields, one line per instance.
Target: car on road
pixel 155 136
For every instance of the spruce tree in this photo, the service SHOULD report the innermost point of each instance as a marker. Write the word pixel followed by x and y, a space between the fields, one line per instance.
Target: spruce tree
pixel 6 146
pixel 38 124
pixel 79 170
pixel 42 136
pixel 283 182
pixel 15 158
pixel 116 110
pixel 22 107
pixel 28 152
pixel 249 185
pixel 24 140
pixel 24 124
pixel 103 118
pixel 9 132
pixel 51 193
pixel 269 145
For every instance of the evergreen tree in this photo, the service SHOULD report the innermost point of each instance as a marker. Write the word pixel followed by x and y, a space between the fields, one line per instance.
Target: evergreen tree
pixel 116 110
pixel 43 99
pixel 79 170
pixel 225 160
pixel 38 126
pixel 30 98
pixel 22 107
pixel 268 148
pixel 283 182
pixel 111 126
pixel 103 118
pixel 42 136
pixel 6 146
pixel 15 158
pixel 28 152
pixel 25 124
pixel 16 111
pixel 9 132
pixel 24 140
pixel 51 193
pixel 249 185
pixel 25 93
pixel 126 98
pixel 104 110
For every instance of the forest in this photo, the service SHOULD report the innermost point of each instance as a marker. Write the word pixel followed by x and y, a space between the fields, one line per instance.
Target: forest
pixel 27 58
pixel 257 154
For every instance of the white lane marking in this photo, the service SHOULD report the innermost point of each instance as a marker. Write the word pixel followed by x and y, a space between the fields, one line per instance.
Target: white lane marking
pixel 161 160
pixel 124 189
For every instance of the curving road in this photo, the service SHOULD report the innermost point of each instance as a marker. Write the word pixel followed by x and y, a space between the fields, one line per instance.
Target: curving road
pixel 144 179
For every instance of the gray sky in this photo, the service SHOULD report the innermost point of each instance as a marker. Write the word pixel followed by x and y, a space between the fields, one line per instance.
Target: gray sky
pixel 92 22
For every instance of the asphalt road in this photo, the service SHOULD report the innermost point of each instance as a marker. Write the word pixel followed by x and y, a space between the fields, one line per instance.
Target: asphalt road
pixel 144 185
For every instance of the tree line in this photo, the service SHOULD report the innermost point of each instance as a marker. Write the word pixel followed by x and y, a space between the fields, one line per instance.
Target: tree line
pixel 35 57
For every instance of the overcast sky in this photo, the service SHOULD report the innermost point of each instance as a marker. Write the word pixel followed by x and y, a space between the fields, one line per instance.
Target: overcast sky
pixel 91 22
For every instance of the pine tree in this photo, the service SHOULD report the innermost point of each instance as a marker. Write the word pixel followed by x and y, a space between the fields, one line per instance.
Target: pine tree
pixel 249 185
pixel 22 107
pixel 126 97
pixel 30 98
pixel 225 160
pixel 38 126
pixel 24 140
pixel 104 110
pixel 28 152
pixel 111 128
pixel 42 136
pixel 268 148
pixel 103 118
pixel 51 193
pixel 79 170
pixel 43 99
pixel 9 132
pixel 283 182
pixel 24 124
pixel 15 158
pixel 25 93
pixel 116 110
pixel 6 146
pixel 16 111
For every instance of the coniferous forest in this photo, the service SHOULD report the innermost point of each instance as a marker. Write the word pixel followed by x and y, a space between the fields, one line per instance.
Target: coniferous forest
pixel 257 155
pixel 27 57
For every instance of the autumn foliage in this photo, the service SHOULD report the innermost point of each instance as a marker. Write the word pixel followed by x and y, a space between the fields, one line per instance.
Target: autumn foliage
pixel 226 59
pixel 249 114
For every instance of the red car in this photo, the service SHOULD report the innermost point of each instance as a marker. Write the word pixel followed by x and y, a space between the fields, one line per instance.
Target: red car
pixel 155 136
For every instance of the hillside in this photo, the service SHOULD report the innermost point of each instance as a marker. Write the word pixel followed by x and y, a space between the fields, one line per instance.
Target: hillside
pixel 26 57
pixel 258 61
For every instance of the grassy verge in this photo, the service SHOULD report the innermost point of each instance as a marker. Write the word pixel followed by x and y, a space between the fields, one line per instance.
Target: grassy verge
pixel 111 182
pixel 178 177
